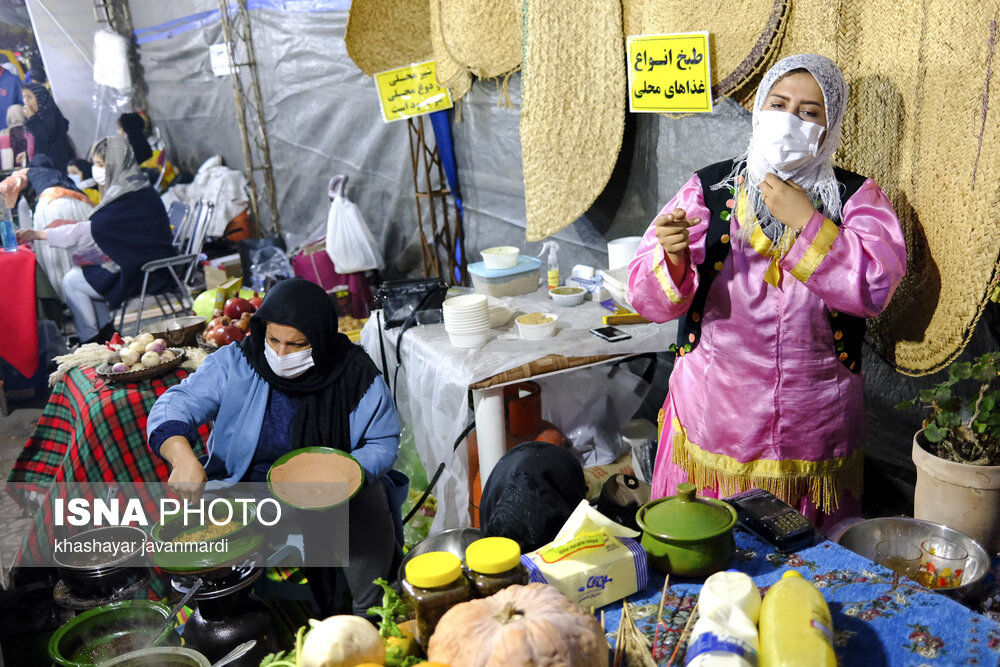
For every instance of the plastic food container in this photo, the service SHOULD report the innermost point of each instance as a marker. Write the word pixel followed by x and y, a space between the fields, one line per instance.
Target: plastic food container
pixel 568 296
pixel 520 279
pixel 500 257
pixel 530 331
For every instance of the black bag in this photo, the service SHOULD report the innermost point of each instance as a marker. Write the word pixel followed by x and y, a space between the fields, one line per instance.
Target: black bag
pixel 399 299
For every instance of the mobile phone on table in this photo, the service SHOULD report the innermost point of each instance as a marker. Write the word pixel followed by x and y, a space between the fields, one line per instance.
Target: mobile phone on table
pixel 610 334
pixel 773 520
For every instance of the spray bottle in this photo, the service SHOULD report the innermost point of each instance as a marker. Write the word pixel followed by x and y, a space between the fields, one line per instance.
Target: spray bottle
pixel 553 263
pixel 795 625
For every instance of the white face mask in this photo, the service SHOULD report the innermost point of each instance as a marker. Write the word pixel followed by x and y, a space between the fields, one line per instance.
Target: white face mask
pixel 291 365
pixel 98 174
pixel 785 141
pixel 76 178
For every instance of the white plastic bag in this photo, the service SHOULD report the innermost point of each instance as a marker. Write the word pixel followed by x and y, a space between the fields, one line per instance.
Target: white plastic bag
pixel 349 242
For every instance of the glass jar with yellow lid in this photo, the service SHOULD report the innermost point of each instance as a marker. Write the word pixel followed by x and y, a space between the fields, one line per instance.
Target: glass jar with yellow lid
pixel 494 563
pixel 432 585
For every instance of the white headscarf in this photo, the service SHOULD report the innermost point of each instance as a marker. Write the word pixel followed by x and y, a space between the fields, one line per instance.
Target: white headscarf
pixel 816 177
pixel 122 174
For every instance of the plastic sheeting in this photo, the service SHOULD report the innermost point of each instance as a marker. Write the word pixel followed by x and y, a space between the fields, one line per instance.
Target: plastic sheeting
pixel 589 405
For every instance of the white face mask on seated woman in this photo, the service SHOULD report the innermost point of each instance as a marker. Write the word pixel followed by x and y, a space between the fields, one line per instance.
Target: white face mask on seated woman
pixel 290 365
pixel 785 141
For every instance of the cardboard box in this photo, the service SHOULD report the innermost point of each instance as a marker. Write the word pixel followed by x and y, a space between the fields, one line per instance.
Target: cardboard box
pixel 218 271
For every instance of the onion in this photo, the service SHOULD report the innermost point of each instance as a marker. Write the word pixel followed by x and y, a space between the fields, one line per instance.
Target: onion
pixel 129 357
pixel 158 346
pixel 167 356
pixel 150 359
pixel 119 368
pixel 145 338
pixel 137 367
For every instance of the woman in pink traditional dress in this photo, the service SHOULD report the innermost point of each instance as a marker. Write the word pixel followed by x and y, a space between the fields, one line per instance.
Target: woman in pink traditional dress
pixel 772 261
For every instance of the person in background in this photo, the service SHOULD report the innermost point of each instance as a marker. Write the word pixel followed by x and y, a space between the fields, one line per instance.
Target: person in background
pixel 19 146
pixel 10 93
pixel 129 228
pixel 135 127
pixel 294 382
pixel 80 171
pixel 48 125
pixel 36 71
pixel 797 253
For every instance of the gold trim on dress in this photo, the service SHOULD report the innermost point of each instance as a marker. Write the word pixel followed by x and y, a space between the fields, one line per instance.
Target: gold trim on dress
pixel 789 479
pixel 664 281
pixel 817 251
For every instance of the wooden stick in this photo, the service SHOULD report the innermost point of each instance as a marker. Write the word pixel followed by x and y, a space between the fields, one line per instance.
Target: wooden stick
pixel 604 627
pixel 618 639
pixel 687 626
pixel 659 614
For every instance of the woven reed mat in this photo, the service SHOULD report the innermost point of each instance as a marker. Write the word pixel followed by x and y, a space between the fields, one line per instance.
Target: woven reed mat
pixel 923 120
pixel 450 72
pixel 572 108
pixel 743 36
pixel 547 364
pixel 385 34
pixel 484 36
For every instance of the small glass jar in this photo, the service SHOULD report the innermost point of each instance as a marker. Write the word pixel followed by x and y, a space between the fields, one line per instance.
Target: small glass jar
pixel 494 563
pixel 433 584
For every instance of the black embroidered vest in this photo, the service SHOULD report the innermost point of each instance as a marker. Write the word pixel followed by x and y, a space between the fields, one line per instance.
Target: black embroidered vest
pixel 848 331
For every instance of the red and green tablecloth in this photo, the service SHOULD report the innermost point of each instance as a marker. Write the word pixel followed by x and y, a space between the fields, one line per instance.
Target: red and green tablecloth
pixel 93 431
pixel 874 624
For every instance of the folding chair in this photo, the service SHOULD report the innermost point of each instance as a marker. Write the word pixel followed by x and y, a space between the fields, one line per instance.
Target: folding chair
pixel 190 247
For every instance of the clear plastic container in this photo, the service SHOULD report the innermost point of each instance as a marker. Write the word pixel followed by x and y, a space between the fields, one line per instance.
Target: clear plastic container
pixel 494 563
pixel 521 279
pixel 433 584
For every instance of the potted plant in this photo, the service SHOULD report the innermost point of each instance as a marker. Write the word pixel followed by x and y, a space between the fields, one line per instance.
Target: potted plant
pixel 957 452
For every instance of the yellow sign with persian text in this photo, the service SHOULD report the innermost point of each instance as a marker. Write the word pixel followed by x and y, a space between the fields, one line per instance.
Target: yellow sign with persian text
pixel 411 91
pixel 669 73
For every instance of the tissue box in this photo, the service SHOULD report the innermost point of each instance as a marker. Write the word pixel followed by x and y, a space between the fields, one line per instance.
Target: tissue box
pixel 592 569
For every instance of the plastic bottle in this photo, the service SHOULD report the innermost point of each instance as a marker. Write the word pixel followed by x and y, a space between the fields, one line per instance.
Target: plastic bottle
pixel 726 632
pixel 7 235
pixel 553 263
pixel 795 625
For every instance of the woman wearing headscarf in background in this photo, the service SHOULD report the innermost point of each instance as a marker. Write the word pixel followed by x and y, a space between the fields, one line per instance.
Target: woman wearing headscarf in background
pixel 295 382
pixel 128 228
pixel 766 391
pixel 48 125
pixel 57 202
pixel 17 145
pixel 80 171
pixel 133 126
pixel 531 493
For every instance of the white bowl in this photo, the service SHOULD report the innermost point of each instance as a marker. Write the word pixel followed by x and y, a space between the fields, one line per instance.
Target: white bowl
pixel 537 331
pixel 465 302
pixel 469 340
pixel 501 257
pixel 465 322
pixel 568 296
pixel 472 328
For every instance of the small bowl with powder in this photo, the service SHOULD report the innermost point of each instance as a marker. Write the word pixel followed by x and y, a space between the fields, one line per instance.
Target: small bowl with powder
pixel 315 478
pixel 535 326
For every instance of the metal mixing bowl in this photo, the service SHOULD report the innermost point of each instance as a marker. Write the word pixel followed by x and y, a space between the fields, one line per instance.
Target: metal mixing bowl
pixel 862 537
pixel 453 541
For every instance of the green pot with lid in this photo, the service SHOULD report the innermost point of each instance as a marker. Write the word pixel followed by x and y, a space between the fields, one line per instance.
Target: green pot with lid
pixel 687 535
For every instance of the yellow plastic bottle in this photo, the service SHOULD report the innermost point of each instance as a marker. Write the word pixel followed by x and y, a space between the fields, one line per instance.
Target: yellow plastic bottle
pixel 795 625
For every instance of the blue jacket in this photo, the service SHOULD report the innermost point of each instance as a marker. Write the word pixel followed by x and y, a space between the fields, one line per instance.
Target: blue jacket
pixel 226 389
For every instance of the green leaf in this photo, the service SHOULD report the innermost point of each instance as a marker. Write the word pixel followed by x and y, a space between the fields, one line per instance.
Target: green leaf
pixel 942 394
pixel 979 427
pixel 933 433
pixel 906 405
pixel 962 370
pixel 927 395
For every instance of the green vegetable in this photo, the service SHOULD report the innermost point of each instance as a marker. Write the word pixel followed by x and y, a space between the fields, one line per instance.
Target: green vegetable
pixel 392 611
pixel 283 659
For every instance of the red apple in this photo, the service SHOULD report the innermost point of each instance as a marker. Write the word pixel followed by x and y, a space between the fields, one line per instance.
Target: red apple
pixel 236 306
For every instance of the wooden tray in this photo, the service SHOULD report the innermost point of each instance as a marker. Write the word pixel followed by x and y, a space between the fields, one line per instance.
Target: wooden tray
pixel 104 370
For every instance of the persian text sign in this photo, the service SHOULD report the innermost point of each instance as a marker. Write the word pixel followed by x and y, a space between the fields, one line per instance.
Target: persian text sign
pixel 410 91
pixel 669 73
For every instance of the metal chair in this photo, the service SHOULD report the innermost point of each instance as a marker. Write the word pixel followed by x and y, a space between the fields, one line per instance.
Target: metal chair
pixel 190 245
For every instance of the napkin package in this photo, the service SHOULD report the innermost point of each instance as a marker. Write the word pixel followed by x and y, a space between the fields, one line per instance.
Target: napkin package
pixel 592 561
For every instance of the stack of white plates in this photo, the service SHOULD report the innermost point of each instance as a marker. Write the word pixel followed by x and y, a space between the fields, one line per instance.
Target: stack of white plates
pixel 467 320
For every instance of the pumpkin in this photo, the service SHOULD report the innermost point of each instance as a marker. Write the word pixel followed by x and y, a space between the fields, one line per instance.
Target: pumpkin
pixel 521 626
pixel 342 641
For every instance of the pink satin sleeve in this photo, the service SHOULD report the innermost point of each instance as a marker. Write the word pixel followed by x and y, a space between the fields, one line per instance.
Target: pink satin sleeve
pixel 859 271
pixel 651 290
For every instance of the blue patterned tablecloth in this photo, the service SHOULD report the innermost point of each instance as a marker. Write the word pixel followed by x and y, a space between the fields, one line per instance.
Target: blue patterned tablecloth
pixel 874 624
